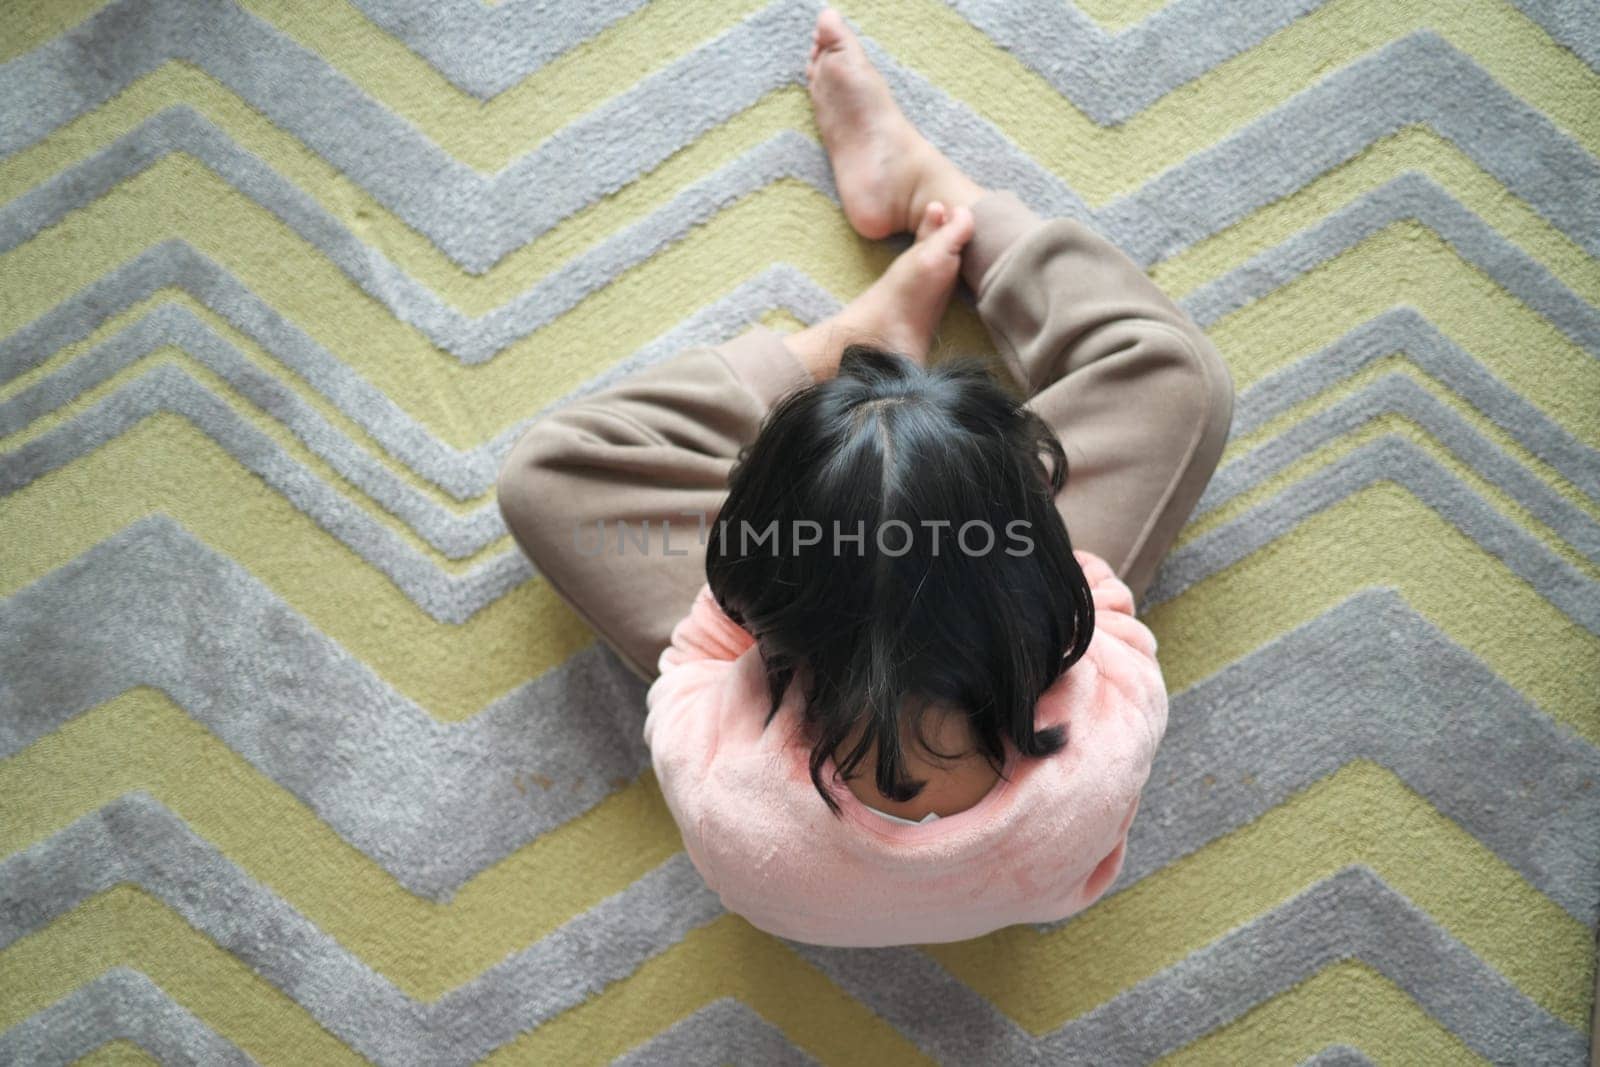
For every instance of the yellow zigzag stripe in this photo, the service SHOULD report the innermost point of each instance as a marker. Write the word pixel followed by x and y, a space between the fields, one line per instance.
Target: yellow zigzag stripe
pixel 119 1053
pixel 472 130
pixel 262 362
pixel 960 332
pixel 141 740
pixel 169 355
pixel 475 131
pixel 176 84
pixel 1409 264
pixel 1298 470
pixel 769 977
pixel 1384 536
pixel 446 945
pixel 964 63
pixel 1103 162
pixel 1413 148
pixel 1362 814
pixel 1115 15
pixel 1396 362
pixel 1346 1003
pixel 27 24
pixel 1371 430
pixel 125 926
pixel 167 466
pixel 787 221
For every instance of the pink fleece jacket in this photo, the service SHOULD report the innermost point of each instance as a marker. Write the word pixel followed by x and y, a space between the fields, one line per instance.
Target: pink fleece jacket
pixel 1040 846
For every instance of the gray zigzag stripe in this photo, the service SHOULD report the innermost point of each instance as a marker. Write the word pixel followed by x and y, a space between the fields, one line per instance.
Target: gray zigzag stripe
pixel 171 389
pixel 1409 196
pixel 1405 329
pixel 467 42
pixel 1389 458
pixel 788 155
pixel 449 790
pixel 443 596
pixel 408 441
pixel 1567 23
pixel 1401 395
pixel 476 220
pixel 1401 329
pixel 1114 76
pixel 1280 152
pixel 724 1031
pixel 1352 915
pixel 448 793
pixel 485 49
pixel 1337 1056
pixel 462 474
pixel 458 536
pixel 472 339
pixel 174 264
pixel 121 1003
pixel 1419 79
pixel 1393 689
pixel 453 598
pixel 473 218
pixel 358 1005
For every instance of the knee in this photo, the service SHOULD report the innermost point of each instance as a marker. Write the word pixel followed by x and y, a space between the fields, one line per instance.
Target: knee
pixel 1208 402
pixel 1218 391
pixel 528 488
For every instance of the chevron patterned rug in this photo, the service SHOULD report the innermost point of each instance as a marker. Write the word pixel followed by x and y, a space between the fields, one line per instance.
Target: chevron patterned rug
pixel 301 763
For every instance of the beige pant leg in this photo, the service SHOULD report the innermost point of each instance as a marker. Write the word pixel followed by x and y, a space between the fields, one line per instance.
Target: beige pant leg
pixel 1138 395
pixel 607 496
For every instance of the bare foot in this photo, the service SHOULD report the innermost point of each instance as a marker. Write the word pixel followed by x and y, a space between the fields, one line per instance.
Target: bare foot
pixel 878 156
pixel 901 310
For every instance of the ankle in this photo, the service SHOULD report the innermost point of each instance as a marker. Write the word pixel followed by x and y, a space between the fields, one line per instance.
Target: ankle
pixel 939 179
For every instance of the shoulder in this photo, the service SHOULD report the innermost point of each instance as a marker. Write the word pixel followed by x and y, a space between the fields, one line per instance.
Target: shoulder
pixel 1120 666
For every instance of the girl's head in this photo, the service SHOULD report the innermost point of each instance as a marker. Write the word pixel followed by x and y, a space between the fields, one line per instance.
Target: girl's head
pixel 892 542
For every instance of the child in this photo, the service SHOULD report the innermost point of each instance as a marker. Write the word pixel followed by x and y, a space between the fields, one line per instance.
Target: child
pixel 904 706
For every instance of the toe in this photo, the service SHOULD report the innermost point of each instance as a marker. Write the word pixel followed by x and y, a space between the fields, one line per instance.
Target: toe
pixel 831 30
pixel 958 227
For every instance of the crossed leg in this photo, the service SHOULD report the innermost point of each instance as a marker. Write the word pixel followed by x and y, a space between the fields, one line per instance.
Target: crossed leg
pixel 1139 397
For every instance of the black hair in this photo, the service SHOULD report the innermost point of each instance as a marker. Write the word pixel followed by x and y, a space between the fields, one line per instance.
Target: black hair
pixel 846 547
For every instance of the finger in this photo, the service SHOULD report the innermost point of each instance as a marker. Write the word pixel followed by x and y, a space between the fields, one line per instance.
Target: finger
pixel 956 231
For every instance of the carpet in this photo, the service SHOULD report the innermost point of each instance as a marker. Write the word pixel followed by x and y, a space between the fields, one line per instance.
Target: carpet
pixel 300 762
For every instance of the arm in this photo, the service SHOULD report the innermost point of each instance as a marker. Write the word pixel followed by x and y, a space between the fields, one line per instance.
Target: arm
pixel 706 633
pixel 684 724
pixel 1125 648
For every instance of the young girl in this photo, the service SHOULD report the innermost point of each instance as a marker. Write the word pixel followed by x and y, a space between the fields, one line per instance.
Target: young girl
pixel 901 707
